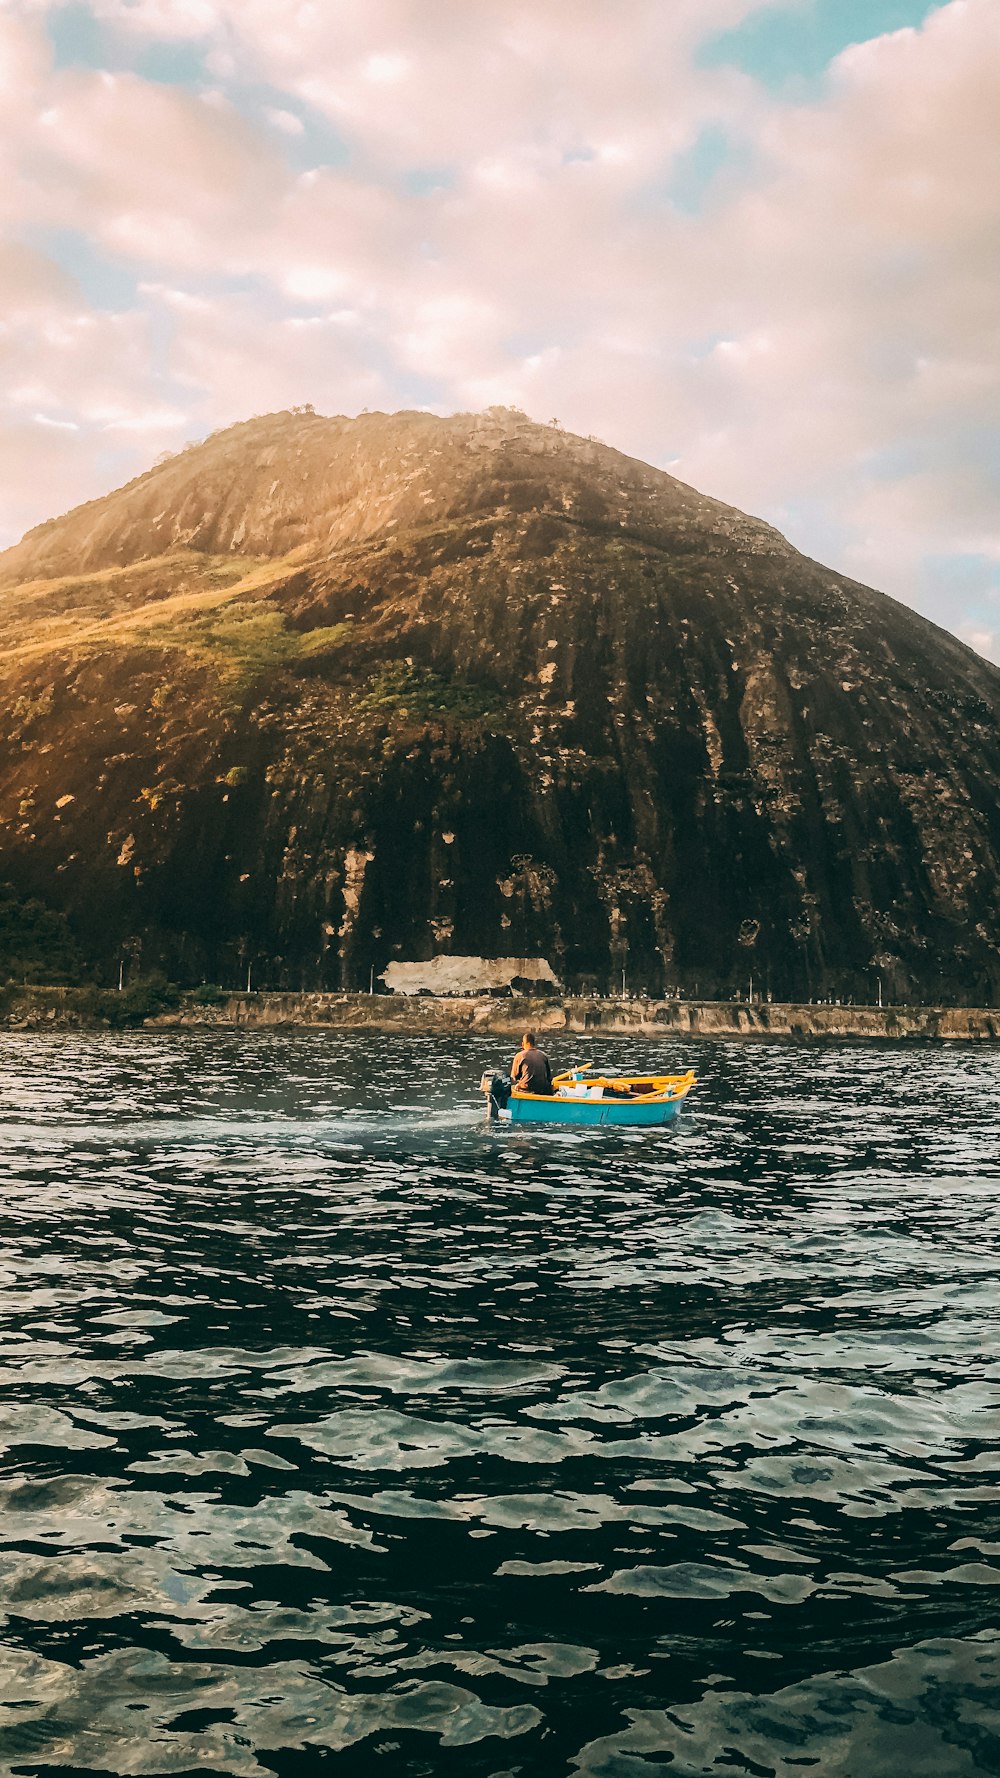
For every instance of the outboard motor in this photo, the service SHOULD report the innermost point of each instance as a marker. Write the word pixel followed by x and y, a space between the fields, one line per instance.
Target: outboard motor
pixel 498 1088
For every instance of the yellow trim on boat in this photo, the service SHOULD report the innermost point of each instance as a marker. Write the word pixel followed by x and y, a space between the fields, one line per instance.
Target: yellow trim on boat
pixel 657 1087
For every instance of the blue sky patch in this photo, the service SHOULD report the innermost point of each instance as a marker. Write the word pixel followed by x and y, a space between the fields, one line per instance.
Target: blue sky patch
pixel 172 64
pixel 791 45
pixel 959 589
pixel 694 172
pixel 78 39
pixel 317 144
pixel 420 181
pixel 810 525
pixel 105 283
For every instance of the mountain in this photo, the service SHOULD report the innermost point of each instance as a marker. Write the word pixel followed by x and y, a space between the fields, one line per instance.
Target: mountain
pixel 321 693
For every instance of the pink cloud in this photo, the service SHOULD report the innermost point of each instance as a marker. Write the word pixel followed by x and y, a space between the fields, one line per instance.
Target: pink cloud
pixel 829 313
pixel 154 172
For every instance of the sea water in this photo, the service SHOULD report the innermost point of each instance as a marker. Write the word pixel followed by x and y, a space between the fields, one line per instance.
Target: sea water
pixel 347 1432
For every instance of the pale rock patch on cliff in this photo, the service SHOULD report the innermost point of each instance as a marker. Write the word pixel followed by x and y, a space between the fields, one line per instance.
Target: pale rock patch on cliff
pixel 468 975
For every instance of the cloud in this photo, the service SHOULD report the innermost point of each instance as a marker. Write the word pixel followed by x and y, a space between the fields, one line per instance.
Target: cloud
pixel 808 329
pixel 59 357
pixel 331 360
pixel 156 173
pixel 25 59
pixel 984 641
pixel 163 18
pixel 446 81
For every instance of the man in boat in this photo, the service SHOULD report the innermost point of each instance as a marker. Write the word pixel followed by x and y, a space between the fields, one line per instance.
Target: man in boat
pixel 530 1070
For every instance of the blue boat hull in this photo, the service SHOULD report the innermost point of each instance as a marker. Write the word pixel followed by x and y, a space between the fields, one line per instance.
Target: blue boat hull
pixel 590 1112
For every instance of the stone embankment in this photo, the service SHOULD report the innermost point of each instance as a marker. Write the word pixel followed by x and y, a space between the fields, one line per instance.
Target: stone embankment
pixel 508 1017
pixel 54 1009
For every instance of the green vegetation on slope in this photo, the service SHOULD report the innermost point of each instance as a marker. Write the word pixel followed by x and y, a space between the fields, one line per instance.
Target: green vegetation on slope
pixel 36 945
pixel 246 641
pixel 401 689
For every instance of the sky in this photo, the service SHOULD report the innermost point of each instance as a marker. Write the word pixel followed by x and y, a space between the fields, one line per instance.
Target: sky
pixel 754 242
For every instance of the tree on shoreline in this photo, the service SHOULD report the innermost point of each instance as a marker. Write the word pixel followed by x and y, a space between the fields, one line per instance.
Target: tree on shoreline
pixel 36 944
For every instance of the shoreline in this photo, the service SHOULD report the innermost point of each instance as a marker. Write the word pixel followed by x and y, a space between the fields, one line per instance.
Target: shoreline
pixel 47 1009
pixel 509 1016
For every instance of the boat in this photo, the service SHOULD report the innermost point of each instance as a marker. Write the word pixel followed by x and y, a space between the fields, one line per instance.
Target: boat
pixel 584 1096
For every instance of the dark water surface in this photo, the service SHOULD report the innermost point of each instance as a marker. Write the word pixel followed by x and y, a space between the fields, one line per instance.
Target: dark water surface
pixel 381 1442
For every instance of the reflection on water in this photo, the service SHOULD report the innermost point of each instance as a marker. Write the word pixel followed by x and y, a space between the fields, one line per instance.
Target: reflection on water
pixel 343 1430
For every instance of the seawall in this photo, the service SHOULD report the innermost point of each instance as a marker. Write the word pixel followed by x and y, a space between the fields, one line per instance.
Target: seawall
pixel 52 1008
pixel 638 1018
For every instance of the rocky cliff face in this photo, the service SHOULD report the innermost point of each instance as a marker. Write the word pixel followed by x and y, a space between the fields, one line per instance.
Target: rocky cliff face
pixel 323 693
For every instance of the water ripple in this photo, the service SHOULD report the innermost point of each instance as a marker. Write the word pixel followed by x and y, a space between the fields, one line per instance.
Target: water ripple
pixel 340 1428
